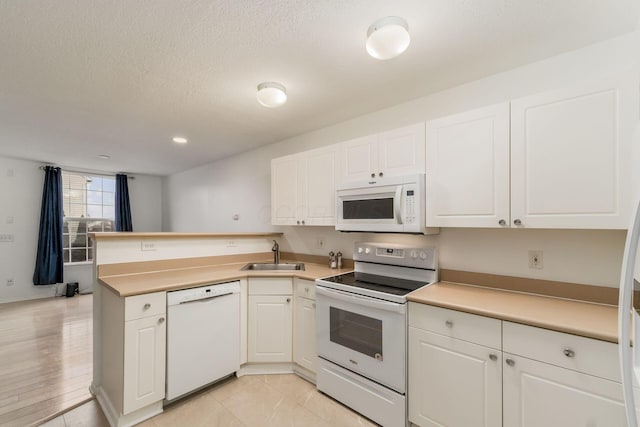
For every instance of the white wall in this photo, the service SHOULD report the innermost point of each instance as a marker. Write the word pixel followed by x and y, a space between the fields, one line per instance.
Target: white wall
pixel 20 197
pixel 205 198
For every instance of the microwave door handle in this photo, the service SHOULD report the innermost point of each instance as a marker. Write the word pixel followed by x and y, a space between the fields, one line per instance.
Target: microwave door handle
pixel 356 299
pixel 398 206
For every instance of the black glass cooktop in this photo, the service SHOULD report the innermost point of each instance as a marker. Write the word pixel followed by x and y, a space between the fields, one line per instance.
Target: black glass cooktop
pixel 389 285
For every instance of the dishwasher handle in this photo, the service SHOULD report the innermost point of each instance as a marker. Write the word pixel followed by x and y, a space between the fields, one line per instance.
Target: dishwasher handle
pixel 207 299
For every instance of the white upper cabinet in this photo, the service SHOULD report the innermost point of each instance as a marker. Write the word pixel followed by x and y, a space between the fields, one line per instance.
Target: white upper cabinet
pixel 570 156
pixel 393 153
pixel 303 188
pixel 468 168
pixel 555 160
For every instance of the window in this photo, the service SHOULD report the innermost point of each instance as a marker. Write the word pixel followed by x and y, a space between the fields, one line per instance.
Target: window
pixel 89 207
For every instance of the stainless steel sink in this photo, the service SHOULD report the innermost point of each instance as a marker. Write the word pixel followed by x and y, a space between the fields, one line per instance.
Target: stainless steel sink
pixel 283 266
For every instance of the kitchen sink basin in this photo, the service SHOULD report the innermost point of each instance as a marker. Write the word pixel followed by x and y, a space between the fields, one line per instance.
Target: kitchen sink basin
pixel 283 266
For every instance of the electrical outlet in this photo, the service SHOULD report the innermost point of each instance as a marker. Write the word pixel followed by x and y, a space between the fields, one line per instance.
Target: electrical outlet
pixel 9 282
pixel 6 238
pixel 320 242
pixel 231 244
pixel 149 245
pixel 535 259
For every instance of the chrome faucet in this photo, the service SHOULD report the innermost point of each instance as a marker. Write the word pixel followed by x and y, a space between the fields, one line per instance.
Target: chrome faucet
pixel 276 252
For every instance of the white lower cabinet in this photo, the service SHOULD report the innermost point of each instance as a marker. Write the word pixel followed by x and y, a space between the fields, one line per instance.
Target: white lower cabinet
pixel 133 342
pixel 144 362
pixel 452 382
pixel 535 378
pixel 270 320
pixel 538 394
pixel 304 342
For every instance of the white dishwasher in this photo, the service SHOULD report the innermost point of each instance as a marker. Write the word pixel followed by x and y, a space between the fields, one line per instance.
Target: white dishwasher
pixel 203 336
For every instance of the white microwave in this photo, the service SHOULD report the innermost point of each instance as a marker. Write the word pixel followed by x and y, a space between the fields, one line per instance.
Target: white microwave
pixel 385 205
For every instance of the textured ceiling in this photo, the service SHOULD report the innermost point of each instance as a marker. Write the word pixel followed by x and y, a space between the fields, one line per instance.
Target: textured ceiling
pixel 79 78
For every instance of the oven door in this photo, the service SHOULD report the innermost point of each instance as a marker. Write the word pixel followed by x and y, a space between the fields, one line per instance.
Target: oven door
pixel 377 208
pixel 362 334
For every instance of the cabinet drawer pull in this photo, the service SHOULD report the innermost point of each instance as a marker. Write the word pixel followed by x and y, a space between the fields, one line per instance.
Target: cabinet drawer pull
pixel 510 362
pixel 161 320
pixel 517 222
pixel 288 300
pixel 569 353
pixel 298 222
pixel 303 222
pixel 493 357
pixel 449 324
pixel 147 306
pixel 502 222
pixel 380 174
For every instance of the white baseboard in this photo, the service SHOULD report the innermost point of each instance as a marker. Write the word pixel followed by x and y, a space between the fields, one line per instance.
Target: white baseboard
pixel 128 420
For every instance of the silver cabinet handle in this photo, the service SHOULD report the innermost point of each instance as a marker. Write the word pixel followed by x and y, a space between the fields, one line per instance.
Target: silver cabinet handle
pixel 493 357
pixel 569 353
pixel 303 222
pixel 449 324
pixel 380 174
pixel 502 222
pixel 147 306
pixel 510 362
pixel 298 222
pixel 161 320
pixel 288 300
pixel 517 222
pixel 373 175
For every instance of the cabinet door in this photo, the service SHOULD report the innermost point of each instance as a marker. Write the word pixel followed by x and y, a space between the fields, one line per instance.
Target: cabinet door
pixel 359 158
pixel 468 169
pixel 144 362
pixel 270 331
pixel 570 156
pixel 401 151
pixel 284 190
pixel 319 186
pixel 537 394
pixel 305 334
pixel 452 382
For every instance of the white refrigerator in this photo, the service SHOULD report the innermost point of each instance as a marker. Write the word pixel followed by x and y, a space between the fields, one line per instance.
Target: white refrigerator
pixel 628 310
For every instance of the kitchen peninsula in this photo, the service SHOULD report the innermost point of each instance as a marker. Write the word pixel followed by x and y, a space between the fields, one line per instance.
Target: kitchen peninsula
pixel 133 273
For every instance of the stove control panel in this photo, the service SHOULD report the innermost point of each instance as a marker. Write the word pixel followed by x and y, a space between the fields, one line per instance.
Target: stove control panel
pixel 395 254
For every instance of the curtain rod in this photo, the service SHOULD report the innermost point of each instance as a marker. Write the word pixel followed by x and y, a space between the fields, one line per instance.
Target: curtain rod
pixel 85 172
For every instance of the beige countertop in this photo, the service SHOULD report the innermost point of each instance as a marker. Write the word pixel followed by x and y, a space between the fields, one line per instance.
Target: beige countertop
pixel 168 280
pixel 587 319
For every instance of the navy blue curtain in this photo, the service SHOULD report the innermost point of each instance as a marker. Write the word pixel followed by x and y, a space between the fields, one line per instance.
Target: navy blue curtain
pixel 123 207
pixel 49 258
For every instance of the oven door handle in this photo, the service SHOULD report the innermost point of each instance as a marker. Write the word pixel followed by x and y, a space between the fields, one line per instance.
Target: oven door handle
pixel 363 301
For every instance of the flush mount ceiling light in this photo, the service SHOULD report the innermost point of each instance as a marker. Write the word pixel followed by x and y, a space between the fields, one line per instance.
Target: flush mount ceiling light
pixel 271 94
pixel 388 37
pixel 104 156
pixel 179 140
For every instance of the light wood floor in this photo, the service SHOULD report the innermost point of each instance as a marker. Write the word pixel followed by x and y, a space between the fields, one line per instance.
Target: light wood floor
pixel 45 358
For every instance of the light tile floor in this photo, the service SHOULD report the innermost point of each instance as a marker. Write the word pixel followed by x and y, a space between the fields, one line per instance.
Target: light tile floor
pixel 249 401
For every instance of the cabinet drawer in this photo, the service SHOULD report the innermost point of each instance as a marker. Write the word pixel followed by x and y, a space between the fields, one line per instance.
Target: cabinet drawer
pixel 456 324
pixel 270 286
pixel 305 289
pixel 591 356
pixel 139 306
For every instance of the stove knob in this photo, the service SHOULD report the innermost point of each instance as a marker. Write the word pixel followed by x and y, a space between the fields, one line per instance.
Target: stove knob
pixel 423 255
pixel 367 250
pixel 414 254
pixel 360 250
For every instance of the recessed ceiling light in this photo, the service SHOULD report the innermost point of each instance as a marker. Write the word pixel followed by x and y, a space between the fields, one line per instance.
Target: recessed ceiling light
pixel 179 140
pixel 104 156
pixel 388 37
pixel 271 94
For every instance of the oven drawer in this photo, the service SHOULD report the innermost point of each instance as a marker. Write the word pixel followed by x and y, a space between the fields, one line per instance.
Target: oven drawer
pixel 456 324
pixel 587 355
